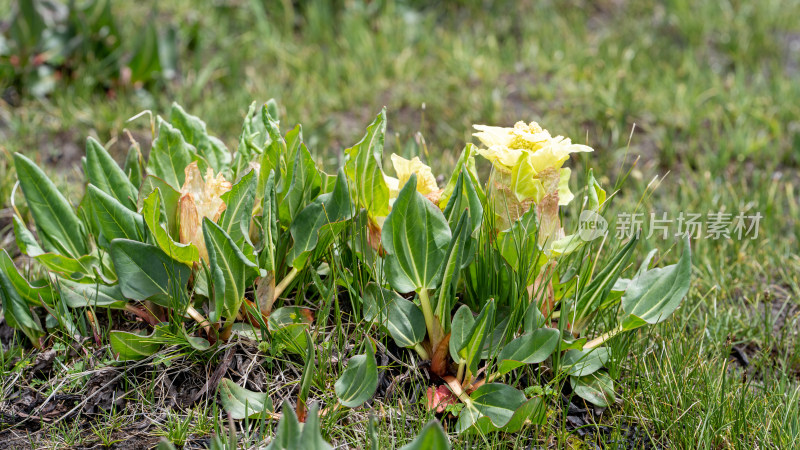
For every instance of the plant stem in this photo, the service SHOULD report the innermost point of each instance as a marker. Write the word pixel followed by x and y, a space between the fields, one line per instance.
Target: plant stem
pixel 596 342
pixel 194 314
pixel 421 351
pixel 284 283
pixel 434 331
pixel 455 386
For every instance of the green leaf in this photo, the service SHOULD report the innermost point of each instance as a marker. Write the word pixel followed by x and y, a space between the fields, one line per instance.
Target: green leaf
pixel 451 270
pixel 241 403
pixel 359 380
pixel 17 312
pixel 274 152
pixel 532 411
pixel 152 212
pixel 472 350
pixel 230 269
pixel 269 225
pixel 311 437
pixel 592 296
pixel 318 224
pixel 309 370
pixel 146 272
pixel 432 437
pixel 56 222
pixel 405 323
pixel 33 295
pixel 133 167
pixel 363 169
pixel 517 244
pixel 597 388
pixel 654 295
pixel 170 200
pixel 170 155
pixel 530 348
pixel 288 326
pixel 103 172
pixel 463 321
pixel 580 363
pixel 376 301
pixel 415 237
pixel 194 131
pixel 235 221
pixel 73 268
pixel 305 186
pixel 287 435
pixel 25 241
pixel 497 401
pixel 467 161
pixel 465 198
pixel 82 295
pixel 133 346
pixel 114 219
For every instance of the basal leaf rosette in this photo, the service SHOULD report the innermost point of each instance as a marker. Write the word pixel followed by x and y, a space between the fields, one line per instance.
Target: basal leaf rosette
pixel 527 170
pixel 200 198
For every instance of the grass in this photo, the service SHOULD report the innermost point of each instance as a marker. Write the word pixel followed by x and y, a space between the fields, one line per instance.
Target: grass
pixel 704 92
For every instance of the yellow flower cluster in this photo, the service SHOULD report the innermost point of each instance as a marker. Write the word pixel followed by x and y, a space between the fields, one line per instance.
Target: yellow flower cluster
pixel 528 169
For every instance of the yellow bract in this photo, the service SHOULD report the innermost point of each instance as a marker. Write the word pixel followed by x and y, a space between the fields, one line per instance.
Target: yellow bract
pixel 426 182
pixel 200 198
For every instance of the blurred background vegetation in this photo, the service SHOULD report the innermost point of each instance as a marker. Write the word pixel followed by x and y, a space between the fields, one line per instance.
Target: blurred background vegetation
pixel 705 93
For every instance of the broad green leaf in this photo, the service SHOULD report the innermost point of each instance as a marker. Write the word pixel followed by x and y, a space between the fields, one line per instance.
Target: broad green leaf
pixel 465 198
pixel 103 172
pixel 654 295
pixel 466 160
pixel 81 295
pixel 309 370
pixel 534 319
pixel 230 269
pixel 432 437
pixel 17 312
pixel 359 380
pixel 497 401
pixel 450 272
pixel 250 146
pixel 170 200
pixel 33 295
pixel 597 388
pixel 287 434
pixel 194 131
pixel 319 223
pixel 274 153
pixel 133 167
pixel 305 186
pixel 269 225
pixel 58 226
pixel 580 363
pixel 463 321
pixel 472 349
pixel 114 219
pixel 533 411
pixel 152 213
pixel 376 300
pixel 405 323
pixel 146 272
pixel 133 346
pixel 530 348
pixel 241 403
pixel 415 237
pixel 73 268
pixel 26 243
pixel 288 326
pixel 363 169
pixel 170 155
pixel 311 437
pixel 235 221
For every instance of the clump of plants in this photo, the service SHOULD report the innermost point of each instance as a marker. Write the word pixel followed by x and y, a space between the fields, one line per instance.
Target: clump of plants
pixel 479 280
